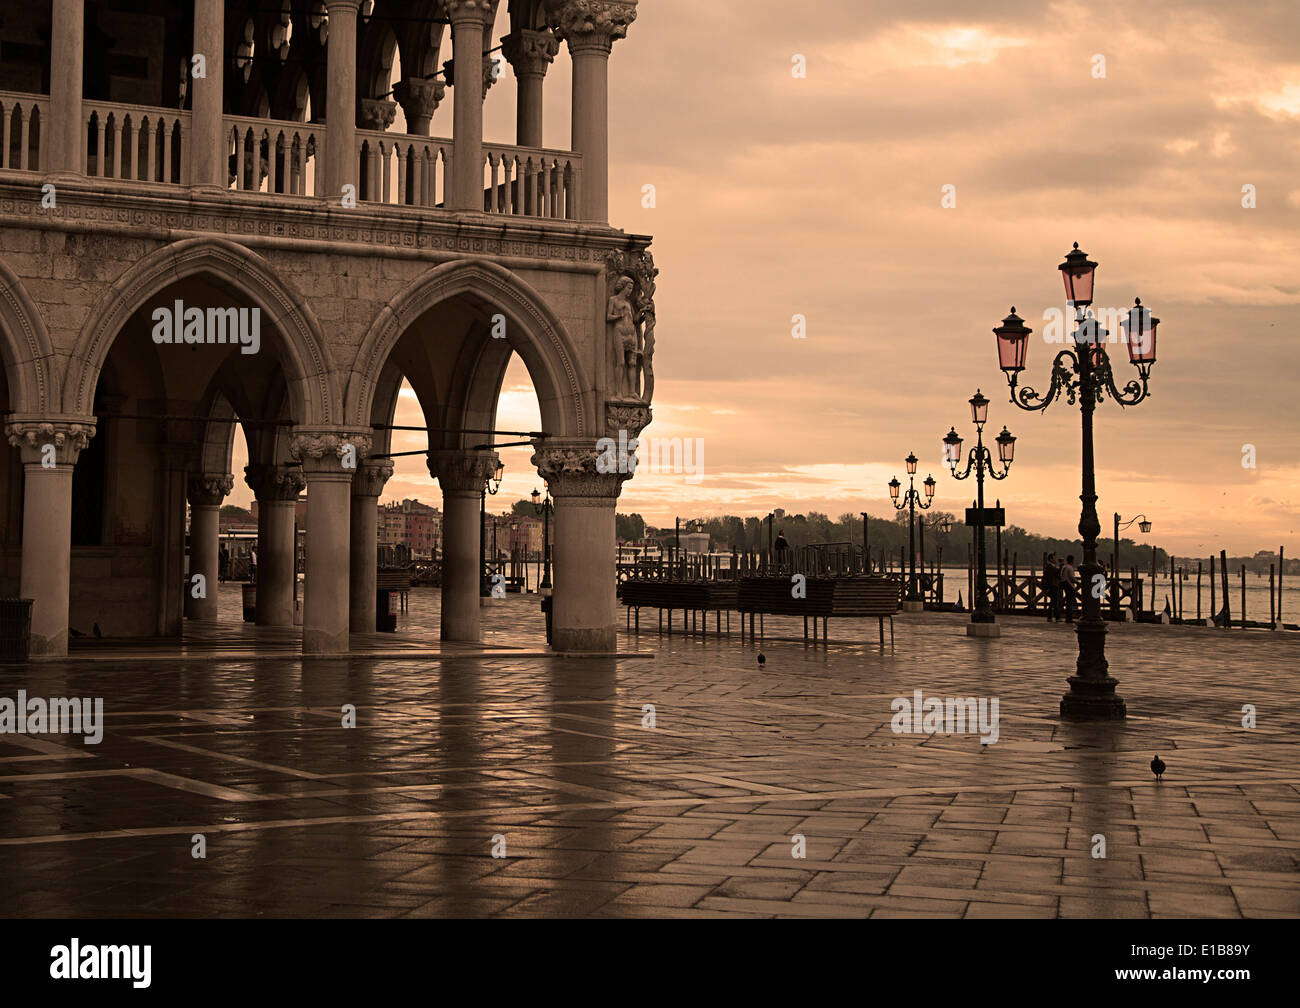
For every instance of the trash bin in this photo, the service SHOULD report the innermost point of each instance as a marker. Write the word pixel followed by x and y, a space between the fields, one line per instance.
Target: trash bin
pixel 250 603
pixel 546 608
pixel 15 628
pixel 387 604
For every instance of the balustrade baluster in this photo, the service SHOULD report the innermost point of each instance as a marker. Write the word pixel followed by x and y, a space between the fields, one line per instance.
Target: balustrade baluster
pixel 271 140
pixel 99 145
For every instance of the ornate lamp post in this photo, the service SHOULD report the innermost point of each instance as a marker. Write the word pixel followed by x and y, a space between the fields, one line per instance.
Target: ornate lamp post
pixel 943 524
pixel 983 621
pixel 1084 373
pixel 490 486
pixel 1145 525
pixel 912 500
pixel 545 508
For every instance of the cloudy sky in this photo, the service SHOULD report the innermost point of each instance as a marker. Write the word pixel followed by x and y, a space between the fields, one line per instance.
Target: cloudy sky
pixel 820 196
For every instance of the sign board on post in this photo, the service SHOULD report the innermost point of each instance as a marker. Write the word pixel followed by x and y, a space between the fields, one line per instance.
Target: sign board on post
pixel 993 517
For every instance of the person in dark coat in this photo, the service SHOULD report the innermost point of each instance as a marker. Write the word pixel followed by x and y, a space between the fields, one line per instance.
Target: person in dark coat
pixel 781 547
pixel 1069 587
pixel 1052 587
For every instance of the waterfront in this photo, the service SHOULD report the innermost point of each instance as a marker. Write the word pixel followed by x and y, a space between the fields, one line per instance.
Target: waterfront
pixel 694 816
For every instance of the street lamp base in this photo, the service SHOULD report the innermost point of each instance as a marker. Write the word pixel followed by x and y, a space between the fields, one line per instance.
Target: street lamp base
pixel 983 630
pixel 910 606
pixel 1093 700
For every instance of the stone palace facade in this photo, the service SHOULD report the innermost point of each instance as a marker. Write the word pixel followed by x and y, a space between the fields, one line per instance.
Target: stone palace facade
pixel 207 223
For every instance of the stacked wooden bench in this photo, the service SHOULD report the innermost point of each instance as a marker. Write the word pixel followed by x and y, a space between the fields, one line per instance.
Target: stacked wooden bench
pixel 825 597
pixel 864 595
pixel 689 596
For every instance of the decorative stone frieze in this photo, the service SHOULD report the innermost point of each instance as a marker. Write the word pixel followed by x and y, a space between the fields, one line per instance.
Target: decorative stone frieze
pixel 259 224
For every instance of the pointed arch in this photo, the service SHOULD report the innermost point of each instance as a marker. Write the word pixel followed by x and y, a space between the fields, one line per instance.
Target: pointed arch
pixel 292 324
pixel 564 391
pixel 25 349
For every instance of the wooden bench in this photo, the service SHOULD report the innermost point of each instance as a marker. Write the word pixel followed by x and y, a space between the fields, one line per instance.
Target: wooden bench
pixel 863 595
pixel 689 596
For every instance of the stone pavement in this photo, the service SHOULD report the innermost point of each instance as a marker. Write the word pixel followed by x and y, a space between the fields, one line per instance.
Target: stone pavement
pixel 455 754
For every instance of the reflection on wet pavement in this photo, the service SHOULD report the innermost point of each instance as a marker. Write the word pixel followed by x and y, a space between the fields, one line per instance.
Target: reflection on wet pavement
pixel 677 781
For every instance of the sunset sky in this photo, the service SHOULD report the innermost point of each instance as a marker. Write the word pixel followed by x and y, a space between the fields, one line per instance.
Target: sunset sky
pixel 778 196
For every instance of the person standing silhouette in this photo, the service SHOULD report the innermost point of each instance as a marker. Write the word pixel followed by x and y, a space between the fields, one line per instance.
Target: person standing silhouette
pixel 1052 587
pixel 1068 586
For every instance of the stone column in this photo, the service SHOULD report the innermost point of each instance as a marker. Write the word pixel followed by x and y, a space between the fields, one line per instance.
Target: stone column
pixel 590 28
pixel 419 99
pixel 530 54
pixel 66 127
pixel 205 491
pixel 209 157
pixel 277 489
pixel 177 457
pixel 341 163
pixel 469 21
pixel 461 474
pixel 367 485
pixel 49 450
pixel 584 546
pixel 329 460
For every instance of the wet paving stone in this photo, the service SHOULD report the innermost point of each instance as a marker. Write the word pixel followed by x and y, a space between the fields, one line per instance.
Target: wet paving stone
pixel 773 791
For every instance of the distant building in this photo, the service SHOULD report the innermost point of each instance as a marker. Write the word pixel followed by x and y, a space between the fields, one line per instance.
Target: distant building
pixel 414 525
pixel 695 542
pixel 526 535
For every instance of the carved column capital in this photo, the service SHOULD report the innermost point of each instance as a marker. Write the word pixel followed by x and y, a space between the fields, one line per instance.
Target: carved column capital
pixel 208 489
pixel 590 25
pixel 371 476
pixel 36 436
pixel 419 99
pixel 490 72
pixel 530 53
pixel 580 472
pixel 271 483
pixel 629 417
pixel 462 471
pixel 469 10
pixel 331 452
pixel 376 113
